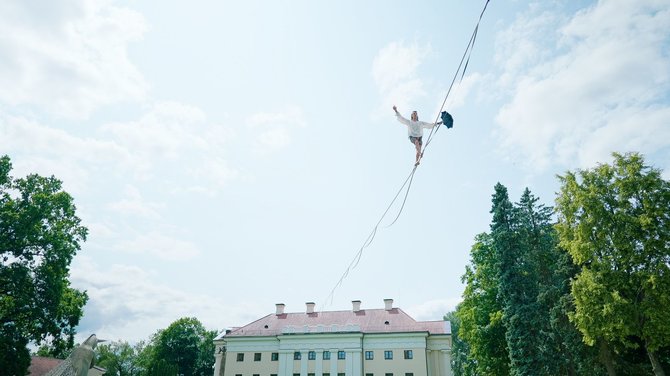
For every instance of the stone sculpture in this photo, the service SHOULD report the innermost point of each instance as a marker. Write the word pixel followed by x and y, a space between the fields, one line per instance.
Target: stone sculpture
pixel 80 360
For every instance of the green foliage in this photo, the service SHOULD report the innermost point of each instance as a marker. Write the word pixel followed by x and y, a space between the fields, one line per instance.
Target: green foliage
pixel 514 233
pixel 461 362
pixel 614 220
pixel 514 314
pixel 39 235
pixel 480 314
pixel 183 348
pixel 164 368
pixel 14 355
pixel 120 358
pixel 186 344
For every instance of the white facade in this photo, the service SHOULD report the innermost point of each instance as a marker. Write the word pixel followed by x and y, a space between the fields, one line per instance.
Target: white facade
pixel 332 349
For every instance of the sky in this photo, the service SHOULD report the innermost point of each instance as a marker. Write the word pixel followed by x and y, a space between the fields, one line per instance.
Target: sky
pixel 230 155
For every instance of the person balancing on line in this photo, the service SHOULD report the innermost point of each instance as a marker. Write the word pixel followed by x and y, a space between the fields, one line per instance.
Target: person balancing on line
pixel 415 130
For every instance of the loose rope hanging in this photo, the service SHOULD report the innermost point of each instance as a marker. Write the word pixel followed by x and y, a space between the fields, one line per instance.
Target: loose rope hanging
pixel 357 258
pixel 433 131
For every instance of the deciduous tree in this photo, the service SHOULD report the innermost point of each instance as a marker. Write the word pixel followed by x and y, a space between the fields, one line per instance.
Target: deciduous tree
pixel 186 344
pixel 39 235
pixel 119 358
pixel 615 222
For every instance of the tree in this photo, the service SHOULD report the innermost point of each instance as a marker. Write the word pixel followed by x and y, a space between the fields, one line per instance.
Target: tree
pixel 119 358
pixel 614 220
pixel 39 235
pixel 518 283
pixel 547 274
pixel 187 345
pixel 461 362
pixel 480 313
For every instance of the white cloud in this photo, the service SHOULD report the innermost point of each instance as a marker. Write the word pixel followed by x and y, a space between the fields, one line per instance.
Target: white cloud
pixel 36 148
pixel 394 71
pixel 127 302
pixel 134 204
pixel 170 141
pixel 433 309
pixel 163 132
pixel 176 141
pixel 161 246
pixel 275 128
pixel 68 56
pixel 600 87
pixel 461 90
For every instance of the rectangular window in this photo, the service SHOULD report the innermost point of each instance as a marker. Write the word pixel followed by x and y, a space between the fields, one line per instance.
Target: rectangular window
pixel 409 374
pixel 369 355
pixel 256 374
pixel 388 374
pixel 388 354
pixel 297 355
pixel 409 354
pixel 240 357
pixel 326 356
pixel 296 374
pixel 257 357
pixel 369 374
pixel 326 374
pixel 274 357
pixel 341 354
pixel 311 355
pixel 340 374
pixel 310 374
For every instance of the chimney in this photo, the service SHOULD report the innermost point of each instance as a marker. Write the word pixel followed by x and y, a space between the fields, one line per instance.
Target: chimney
pixel 388 304
pixel 310 307
pixel 356 305
pixel 280 308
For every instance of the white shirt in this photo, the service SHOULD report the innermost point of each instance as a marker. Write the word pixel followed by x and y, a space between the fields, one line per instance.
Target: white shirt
pixel 414 128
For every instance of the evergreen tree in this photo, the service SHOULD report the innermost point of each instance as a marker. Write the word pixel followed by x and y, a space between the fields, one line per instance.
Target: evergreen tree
pixel 518 283
pixel 551 269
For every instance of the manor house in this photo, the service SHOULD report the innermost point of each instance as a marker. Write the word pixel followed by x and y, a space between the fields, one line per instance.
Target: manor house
pixel 357 342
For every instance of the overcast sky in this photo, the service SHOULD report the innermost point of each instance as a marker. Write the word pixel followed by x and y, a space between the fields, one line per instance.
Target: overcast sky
pixel 230 155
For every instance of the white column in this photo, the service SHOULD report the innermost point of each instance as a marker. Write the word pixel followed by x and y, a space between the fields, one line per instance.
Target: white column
pixel 217 364
pixel 318 370
pixel 349 364
pixel 429 355
pixel 303 362
pixel 356 362
pixel 284 362
pixel 446 361
pixel 333 362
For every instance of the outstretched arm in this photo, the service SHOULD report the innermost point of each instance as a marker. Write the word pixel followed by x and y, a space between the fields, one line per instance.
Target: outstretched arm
pixel 399 117
pixel 429 125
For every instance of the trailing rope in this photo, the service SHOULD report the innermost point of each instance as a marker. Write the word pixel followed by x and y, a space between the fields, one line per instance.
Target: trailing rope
pixel 433 131
pixel 357 258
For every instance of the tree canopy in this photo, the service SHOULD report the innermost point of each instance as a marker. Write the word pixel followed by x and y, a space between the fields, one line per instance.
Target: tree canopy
pixel 615 222
pixel 39 235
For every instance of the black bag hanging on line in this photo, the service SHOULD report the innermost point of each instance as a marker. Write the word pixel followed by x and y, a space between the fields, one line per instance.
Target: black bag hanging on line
pixel 447 120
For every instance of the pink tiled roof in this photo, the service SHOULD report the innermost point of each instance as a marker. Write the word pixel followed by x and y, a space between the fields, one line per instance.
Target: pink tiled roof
pixel 40 365
pixel 365 321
